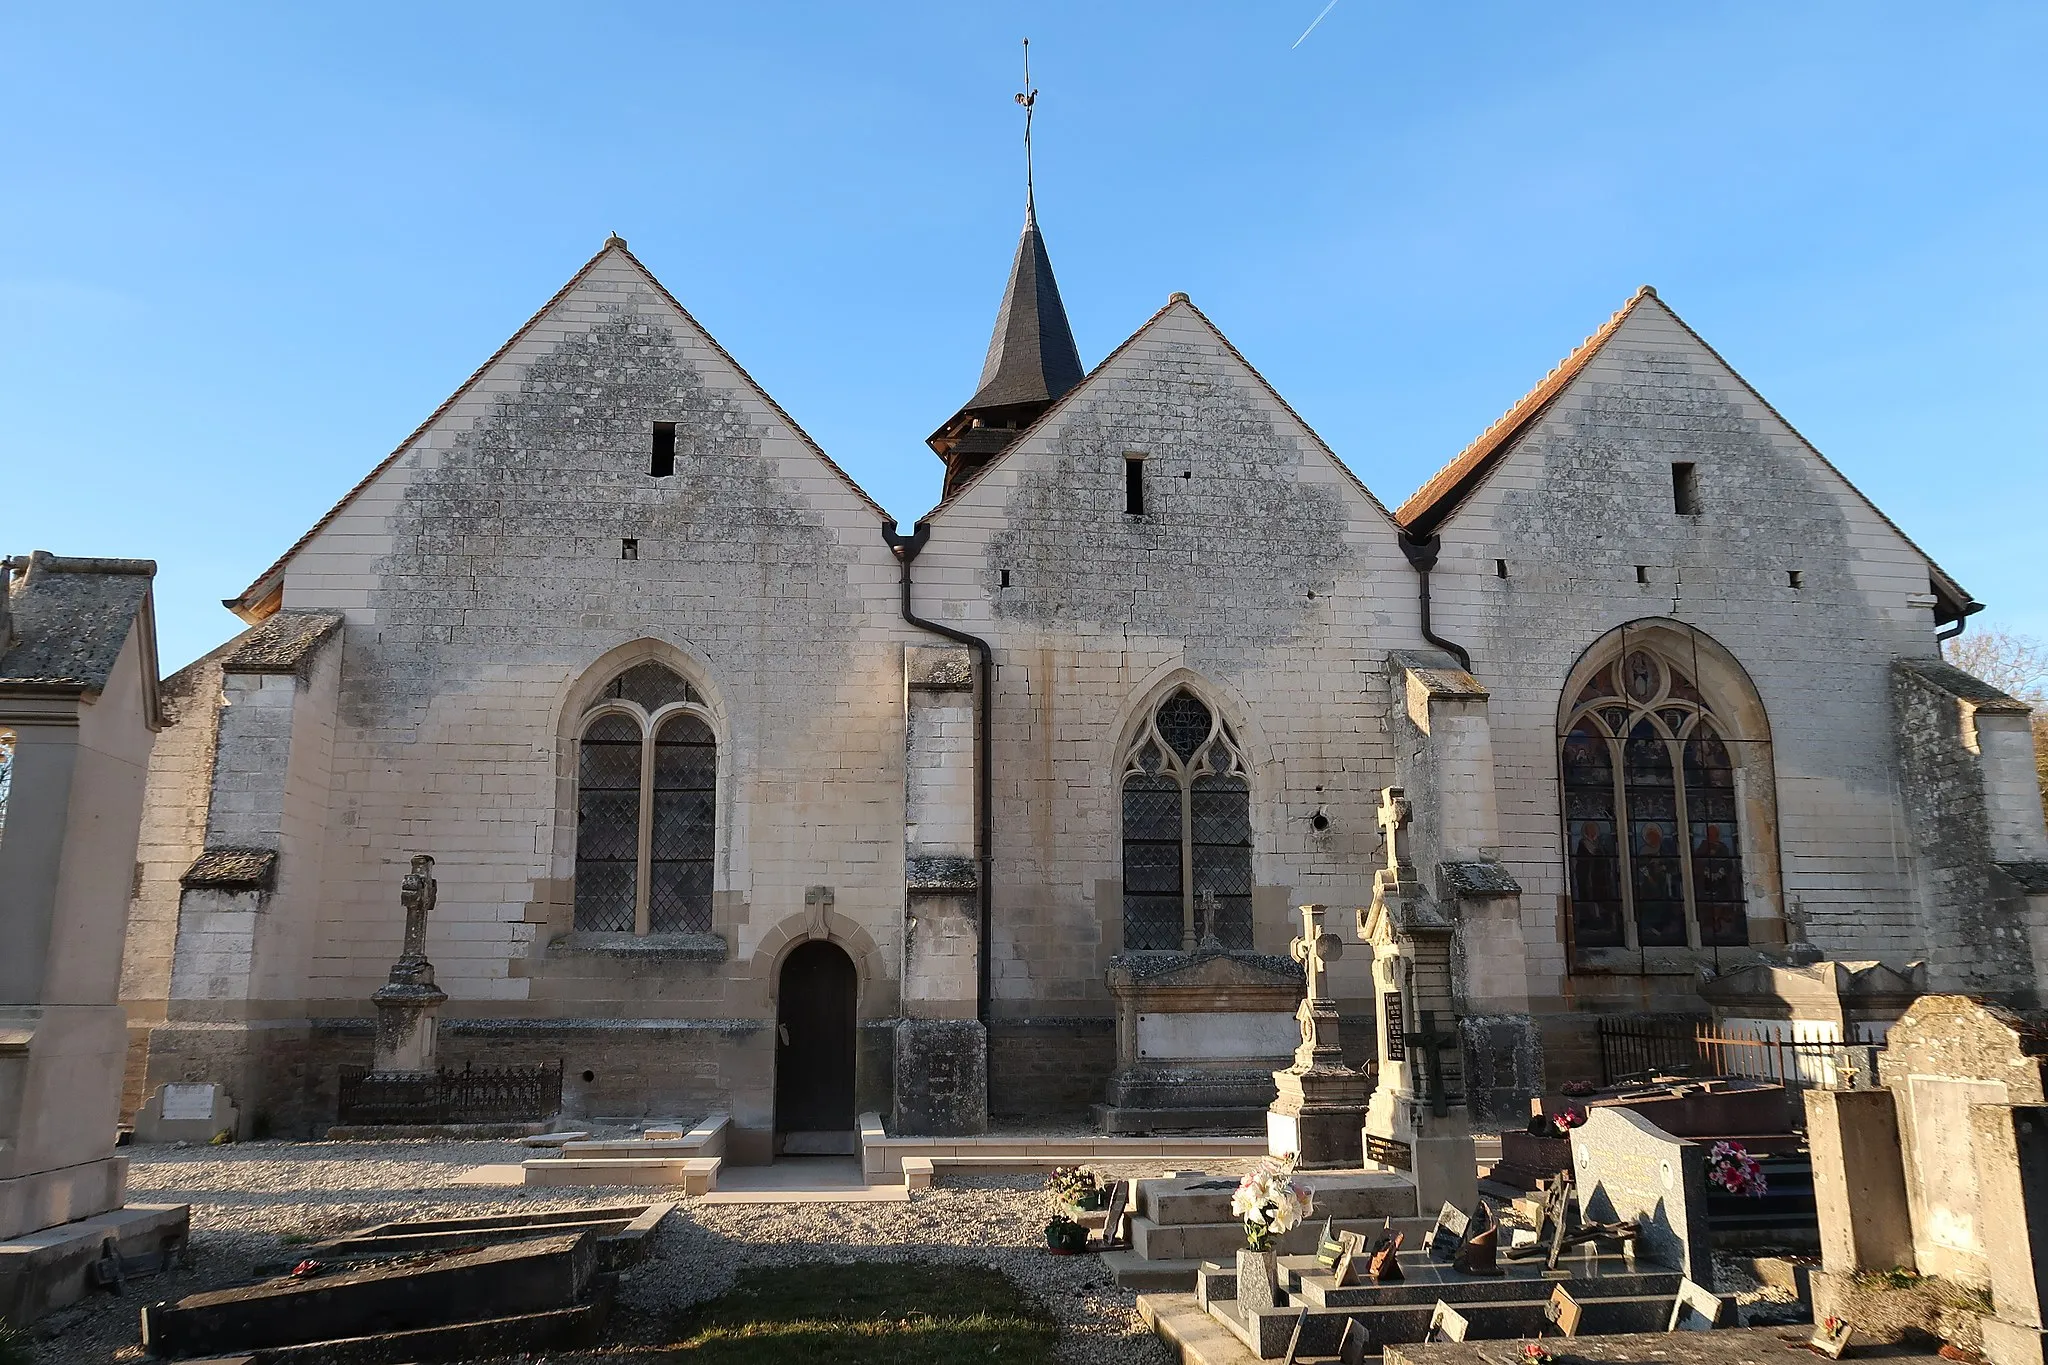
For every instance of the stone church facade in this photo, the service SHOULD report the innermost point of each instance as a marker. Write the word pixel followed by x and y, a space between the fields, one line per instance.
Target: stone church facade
pixel 707 749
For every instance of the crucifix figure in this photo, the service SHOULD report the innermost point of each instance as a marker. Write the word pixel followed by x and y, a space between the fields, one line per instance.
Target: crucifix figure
pixel 1206 898
pixel 1427 1046
pixel 416 893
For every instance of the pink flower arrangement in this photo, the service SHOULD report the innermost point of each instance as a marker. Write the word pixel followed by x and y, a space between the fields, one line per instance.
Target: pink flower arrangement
pixel 1566 1119
pixel 1730 1166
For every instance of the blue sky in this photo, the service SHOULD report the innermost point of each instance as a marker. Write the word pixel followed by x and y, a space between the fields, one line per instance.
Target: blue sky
pixel 245 250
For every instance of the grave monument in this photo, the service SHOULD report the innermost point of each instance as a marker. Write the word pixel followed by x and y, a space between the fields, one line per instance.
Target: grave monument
pixel 409 1003
pixel 1321 1104
pixel 78 716
pixel 1417 1121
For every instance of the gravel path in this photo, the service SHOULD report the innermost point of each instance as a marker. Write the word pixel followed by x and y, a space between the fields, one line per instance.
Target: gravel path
pixel 253 1202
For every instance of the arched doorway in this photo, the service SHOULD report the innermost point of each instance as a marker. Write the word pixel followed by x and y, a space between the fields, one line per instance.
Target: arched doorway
pixel 814 1049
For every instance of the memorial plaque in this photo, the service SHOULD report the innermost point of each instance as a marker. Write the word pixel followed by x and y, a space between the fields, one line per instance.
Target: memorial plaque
pixel 1352 1246
pixel 1695 1309
pixel 187 1102
pixel 1294 1337
pixel 1113 1213
pixel 1328 1247
pixel 1563 1312
pixel 1446 1324
pixel 1385 1263
pixel 1831 1337
pixel 1396 1031
pixel 1387 1152
pixel 1451 1222
pixel 1353 1345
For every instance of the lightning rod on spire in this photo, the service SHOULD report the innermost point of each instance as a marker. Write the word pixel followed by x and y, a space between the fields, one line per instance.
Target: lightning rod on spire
pixel 1028 97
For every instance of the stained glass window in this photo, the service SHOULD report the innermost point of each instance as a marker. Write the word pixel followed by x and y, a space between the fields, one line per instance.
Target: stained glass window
pixel 1650 820
pixel 633 757
pixel 1187 839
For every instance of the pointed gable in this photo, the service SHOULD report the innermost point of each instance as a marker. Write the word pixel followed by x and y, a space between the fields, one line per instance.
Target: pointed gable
pixel 265 595
pixel 1439 499
pixel 1179 320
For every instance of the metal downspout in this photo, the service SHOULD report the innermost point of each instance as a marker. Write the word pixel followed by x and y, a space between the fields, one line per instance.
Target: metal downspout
pixel 1422 558
pixel 906 549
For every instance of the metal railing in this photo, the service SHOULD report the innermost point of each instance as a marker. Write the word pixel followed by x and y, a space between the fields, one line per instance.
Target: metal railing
pixel 1637 1048
pixel 475 1094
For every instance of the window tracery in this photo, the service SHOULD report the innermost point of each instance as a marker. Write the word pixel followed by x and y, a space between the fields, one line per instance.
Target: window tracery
pixel 646 807
pixel 1187 846
pixel 1650 803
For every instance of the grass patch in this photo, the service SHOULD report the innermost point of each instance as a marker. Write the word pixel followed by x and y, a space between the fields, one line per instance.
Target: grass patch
pixel 13 1346
pixel 873 1311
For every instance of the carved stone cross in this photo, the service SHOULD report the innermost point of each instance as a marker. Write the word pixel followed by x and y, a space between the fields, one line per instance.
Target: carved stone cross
pixel 1315 950
pixel 417 893
pixel 1394 813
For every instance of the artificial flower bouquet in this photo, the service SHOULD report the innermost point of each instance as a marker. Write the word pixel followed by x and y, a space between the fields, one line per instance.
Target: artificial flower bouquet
pixel 1732 1168
pixel 1270 1201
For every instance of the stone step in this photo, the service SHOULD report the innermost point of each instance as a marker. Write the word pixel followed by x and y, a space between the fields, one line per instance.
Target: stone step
pixel 523 1277
pixel 1140 1276
pixel 1426 1283
pixel 1356 1195
pixel 1266 1332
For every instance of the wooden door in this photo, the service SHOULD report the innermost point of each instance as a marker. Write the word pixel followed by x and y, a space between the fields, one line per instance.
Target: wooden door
pixel 815 1041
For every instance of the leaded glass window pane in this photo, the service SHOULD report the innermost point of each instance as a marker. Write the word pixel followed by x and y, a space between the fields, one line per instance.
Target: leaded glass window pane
pixel 685 827
pixel 1595 858
pixel 607 824
pixel 1716 864
pixel 1152 890
pixel 1221 810
pixel 651 686
pixel 1184 724
pixel 1654 860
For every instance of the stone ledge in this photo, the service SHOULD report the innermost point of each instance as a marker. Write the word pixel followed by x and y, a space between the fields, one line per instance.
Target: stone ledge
pixel 648 947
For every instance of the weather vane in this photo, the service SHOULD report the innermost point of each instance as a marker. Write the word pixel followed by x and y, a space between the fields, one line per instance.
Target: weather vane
pixel 1028 97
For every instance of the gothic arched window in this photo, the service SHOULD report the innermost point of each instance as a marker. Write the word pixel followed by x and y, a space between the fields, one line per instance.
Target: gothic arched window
pixel 1650 812
pixel 1187 828
pixel 646 807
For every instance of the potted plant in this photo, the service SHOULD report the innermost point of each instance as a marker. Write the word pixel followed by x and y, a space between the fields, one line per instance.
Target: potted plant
pixel 1075 1188
pixel 1269 1202
pixel 1064 1236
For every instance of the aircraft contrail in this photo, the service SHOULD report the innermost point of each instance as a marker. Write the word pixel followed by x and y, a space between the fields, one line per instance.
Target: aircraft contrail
pixel 1312 27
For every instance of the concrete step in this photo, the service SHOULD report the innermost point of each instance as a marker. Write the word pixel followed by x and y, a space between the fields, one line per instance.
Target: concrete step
pixel 1367 1195
pixel 1133 1272
pixel 695 1175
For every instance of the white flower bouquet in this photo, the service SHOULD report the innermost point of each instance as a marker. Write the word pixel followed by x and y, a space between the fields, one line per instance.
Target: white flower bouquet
pixel 1271 1201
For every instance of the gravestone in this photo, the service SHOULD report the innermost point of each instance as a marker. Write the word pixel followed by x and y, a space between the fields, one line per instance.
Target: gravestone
pixel 1630 1170
pixel 186 1111
pixel 409 1003
pixel 1199 1037
pixel 1320 1108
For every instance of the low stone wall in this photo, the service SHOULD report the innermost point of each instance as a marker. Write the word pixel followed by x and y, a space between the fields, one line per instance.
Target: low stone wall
pixel 1045 1068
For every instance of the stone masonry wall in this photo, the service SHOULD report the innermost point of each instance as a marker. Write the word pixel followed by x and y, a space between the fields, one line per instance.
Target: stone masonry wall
pixel 1261 573
pixel 1583 499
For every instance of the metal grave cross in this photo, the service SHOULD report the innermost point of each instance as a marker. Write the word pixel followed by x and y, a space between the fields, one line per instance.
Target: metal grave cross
pixel 1428 1044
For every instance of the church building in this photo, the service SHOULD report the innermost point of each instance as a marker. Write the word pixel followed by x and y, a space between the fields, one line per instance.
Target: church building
pixel 744 798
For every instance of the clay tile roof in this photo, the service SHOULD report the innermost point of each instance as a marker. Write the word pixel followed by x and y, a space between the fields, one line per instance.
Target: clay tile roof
pixel 70 618
pixel 1430 504
pixel 283 643
pixel 261 597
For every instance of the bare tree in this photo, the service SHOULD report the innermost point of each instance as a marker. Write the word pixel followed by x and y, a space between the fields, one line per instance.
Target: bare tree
pixel 2017 664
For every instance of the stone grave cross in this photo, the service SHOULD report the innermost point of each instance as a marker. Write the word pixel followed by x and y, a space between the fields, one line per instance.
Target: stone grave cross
pixel 1211 907
pixel 1321 1102
pixel 1315 949
pixel 1394 810
pixel 408 1003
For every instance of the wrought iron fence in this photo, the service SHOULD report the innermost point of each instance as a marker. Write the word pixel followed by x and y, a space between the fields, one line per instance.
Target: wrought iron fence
pixel 475 1094
pixel 1635 1049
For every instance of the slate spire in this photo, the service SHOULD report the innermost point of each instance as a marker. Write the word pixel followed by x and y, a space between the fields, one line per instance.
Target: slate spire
pixel 1032 360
